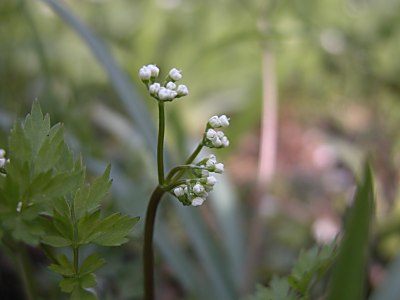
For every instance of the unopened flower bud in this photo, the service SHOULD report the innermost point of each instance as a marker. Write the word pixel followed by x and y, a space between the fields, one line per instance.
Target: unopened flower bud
pixel 197 201
pixel 154 88
pixel 154 70
pixel 211 181
pixel 145 73
pixel 198 189
pixel 217 142
pixel 2 162
pixel 175 74
pixel 170 85
pixel 211 134
pixel 182 90
pixel 2 153
pixel 179 192
pixel 205 173
pixel 164 94
pixel 225 142
pixel 224 121
pixel 214 122
pixel 219 168
pixel 220 134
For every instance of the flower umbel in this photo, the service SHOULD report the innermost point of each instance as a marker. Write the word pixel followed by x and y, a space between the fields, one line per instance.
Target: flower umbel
pixel 163 92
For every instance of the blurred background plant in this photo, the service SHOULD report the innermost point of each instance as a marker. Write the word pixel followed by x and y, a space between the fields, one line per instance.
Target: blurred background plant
pixel 331 64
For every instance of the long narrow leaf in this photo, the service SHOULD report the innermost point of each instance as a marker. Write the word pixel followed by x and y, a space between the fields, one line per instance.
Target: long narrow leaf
pixel 349 274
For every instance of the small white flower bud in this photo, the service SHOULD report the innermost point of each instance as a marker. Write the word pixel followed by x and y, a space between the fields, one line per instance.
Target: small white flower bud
pixel 225 142
pixel 172 94
pixel 211 181
pixel 2 162
pixel 179 192
pixel 220 134
pixel 175 74
pixel 163 94
pixel 154 88
pixel 217 142
pixel 197 201
pixel 214 122
pixel 19 207
pixel 182 90
pixel 145 73
pixel 198 189
pixel 205 173
pixel 2 153
pixel 211 134
pixel 224 121
pixel 154 70
pixel 170 85
pixel 219 168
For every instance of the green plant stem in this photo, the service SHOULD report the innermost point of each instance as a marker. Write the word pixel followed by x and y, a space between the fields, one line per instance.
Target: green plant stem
pixel 180 168
pixel 188 161
pixel 25 272
pixel 148 256
pixel 160 142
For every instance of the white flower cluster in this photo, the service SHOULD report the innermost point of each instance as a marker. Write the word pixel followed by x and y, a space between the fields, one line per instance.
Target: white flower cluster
pixel 215 138
pixel 195 191
pixel 167 92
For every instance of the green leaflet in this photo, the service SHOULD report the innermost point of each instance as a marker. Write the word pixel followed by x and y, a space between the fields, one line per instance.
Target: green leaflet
pixel 44 199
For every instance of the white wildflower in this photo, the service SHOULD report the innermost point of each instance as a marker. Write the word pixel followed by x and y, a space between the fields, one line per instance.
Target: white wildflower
pixel 214 122
pixel 197 201
pixel 198 189
pixel 170 85
pixel 217 143
pixel 154 70
pixel 224 121
pixel 205 173
pixel 182 90
pixel 211 134
pixel 2 162
pixel 220 134
pixel 225 142
pixel 179 191
pixel 2 153
pixel 154 88
pixel 145 73
pixel 219 168
pixel 175 74
pixel 211 181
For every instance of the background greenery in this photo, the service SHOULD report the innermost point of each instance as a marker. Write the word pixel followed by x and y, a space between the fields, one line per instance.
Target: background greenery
pixel 337 70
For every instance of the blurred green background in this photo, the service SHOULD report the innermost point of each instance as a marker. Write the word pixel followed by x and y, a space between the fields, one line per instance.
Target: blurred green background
pixel 335 69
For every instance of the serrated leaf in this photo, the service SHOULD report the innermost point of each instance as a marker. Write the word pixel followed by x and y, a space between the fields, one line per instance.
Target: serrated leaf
pixel 112 231
pixel 88 226
pixel 67 285
pixel 56 241
pixel 88 199
pixel 91 264
pixel 51 150
pixel 19 146
pixel 81 294
pixel 36 127
pixel 87 281
pixel 63 183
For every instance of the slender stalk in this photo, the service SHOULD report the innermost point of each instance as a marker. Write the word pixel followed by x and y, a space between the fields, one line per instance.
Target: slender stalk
pixel 25 272
pixel 180 168
pixel 160 142
pixel 188 161
pixel 148 255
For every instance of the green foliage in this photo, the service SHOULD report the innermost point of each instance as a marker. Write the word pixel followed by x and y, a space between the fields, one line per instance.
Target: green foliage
pixel 308 270
pixel 44 200
pixel 349 274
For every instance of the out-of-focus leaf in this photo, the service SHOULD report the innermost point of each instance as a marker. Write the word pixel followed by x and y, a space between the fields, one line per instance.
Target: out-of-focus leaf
pixel 349 274
pixel 120 81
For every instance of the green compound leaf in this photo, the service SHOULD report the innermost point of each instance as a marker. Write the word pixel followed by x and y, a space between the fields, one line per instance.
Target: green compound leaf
pixel 64 266
pixel 279 289
pixel 310 267
pixel 88 199
pixel 91 264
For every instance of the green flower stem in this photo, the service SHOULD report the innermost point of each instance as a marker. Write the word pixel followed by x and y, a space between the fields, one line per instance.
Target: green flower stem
pixel 148 256
pixel 190 159
pixel 180 168
pixel 160 142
